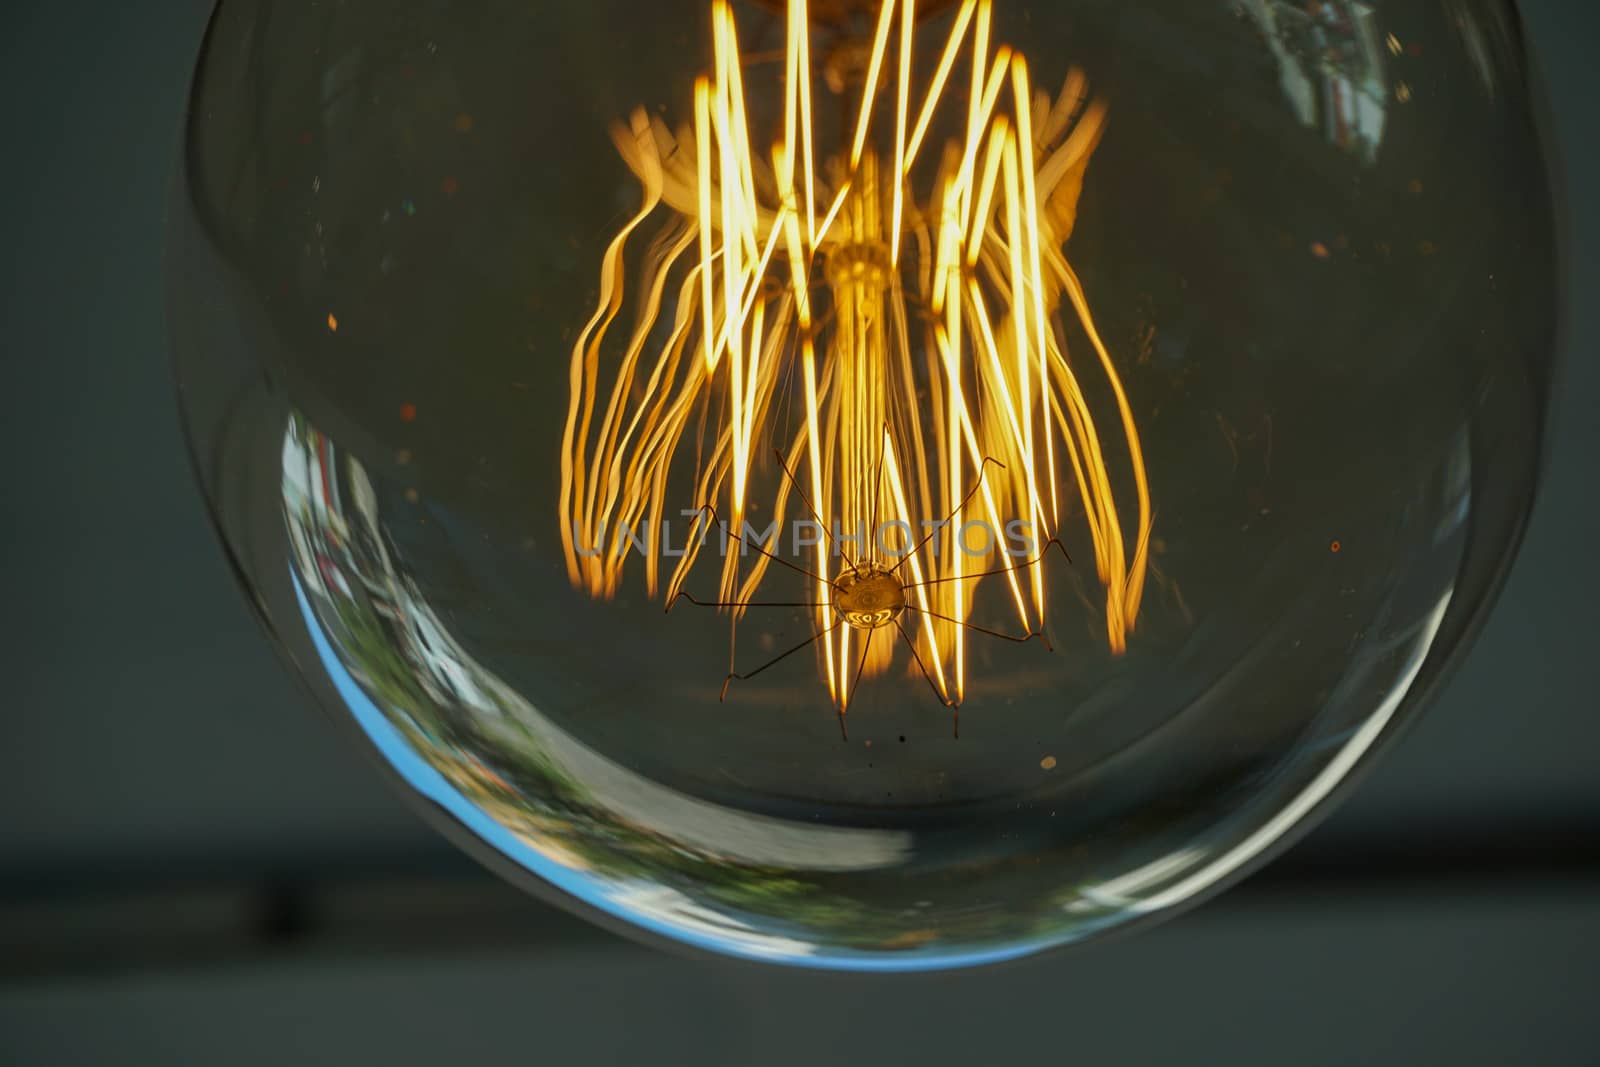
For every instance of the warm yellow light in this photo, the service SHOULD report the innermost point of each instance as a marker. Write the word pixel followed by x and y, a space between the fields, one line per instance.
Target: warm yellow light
pixel 920 316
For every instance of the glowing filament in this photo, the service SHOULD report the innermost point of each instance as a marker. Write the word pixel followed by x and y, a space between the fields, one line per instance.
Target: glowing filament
pixel 919 334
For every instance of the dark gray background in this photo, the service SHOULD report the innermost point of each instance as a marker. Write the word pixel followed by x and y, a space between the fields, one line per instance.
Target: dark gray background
pixel 196 868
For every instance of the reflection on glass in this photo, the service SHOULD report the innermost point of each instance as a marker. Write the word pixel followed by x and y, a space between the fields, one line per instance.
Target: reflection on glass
pixel 1158 383
pixel 1331 56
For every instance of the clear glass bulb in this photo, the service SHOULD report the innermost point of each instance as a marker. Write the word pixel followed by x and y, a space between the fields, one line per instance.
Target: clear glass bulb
pixel 858 484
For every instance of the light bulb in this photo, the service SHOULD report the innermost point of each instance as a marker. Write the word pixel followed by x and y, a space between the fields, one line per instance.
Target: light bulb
pixel 879 484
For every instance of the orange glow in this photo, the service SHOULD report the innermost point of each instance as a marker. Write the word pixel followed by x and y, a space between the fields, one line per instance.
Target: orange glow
pixel 894 357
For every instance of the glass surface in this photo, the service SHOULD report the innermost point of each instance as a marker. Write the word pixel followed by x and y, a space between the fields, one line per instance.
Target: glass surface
pixel 1260 340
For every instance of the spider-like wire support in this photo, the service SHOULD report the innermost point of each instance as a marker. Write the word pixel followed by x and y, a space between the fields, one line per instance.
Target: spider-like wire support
pixel 868 597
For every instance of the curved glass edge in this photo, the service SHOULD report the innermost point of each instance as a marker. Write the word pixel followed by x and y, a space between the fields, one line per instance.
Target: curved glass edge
pixel 1257 849
pixel 326 524
pixel 679 920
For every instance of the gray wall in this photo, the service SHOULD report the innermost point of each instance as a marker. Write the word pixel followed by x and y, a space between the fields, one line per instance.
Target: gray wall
pixel 194 867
